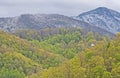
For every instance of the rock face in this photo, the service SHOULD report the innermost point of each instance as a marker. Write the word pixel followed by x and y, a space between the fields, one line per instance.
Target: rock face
pixel 40 21
pixel 102 17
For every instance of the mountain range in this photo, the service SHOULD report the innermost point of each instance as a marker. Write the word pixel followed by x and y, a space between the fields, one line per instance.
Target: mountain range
pixel 58 46
pixel 101 20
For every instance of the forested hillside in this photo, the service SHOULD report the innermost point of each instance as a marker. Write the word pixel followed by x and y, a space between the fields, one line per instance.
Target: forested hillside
pixel 100 61
pixel 66 42
pixel 59 53
pixel 23 57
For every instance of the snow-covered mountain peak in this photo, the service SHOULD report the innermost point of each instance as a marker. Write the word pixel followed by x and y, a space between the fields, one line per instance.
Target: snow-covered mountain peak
pixel 102 17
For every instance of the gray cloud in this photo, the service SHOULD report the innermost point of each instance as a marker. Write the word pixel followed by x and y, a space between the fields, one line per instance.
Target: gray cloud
pixel 66 7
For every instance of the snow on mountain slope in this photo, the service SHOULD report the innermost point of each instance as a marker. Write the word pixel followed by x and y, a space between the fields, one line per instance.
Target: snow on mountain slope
pixel 41 21
pixel 102 17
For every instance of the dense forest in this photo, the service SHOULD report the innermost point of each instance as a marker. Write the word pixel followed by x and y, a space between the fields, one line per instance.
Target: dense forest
pixel 59 53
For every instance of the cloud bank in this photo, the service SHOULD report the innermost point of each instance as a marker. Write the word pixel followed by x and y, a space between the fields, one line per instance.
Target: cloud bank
pixel 65 7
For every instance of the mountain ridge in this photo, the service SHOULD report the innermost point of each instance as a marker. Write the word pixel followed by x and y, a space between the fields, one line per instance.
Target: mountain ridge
pixel 41 21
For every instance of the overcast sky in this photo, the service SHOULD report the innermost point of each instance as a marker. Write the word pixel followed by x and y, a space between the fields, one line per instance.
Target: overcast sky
pixel 65 7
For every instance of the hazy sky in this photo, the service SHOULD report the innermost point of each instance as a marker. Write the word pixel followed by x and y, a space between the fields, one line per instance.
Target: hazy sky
pixel 65 7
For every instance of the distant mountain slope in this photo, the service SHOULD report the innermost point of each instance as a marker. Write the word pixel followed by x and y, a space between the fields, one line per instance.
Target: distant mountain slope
pixel 40 21
pixel 102 17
